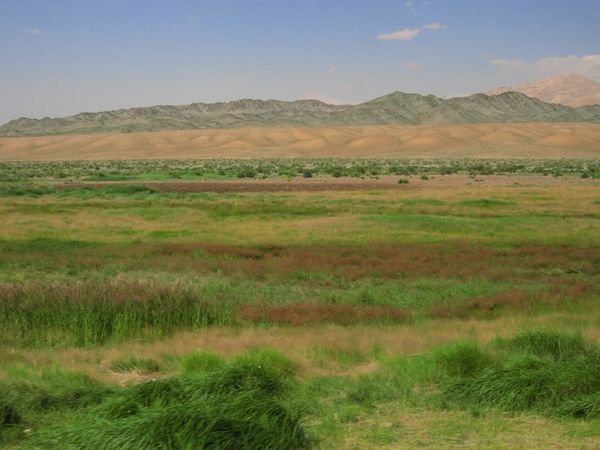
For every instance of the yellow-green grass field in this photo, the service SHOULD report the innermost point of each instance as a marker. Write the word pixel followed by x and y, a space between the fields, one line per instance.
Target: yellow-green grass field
pixel 441 311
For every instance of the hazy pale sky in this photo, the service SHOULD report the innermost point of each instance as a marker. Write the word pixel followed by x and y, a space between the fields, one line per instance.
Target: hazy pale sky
pixel 60 57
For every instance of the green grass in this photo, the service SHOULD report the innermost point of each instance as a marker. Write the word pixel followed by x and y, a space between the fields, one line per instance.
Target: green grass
pixel 95 310
pixel 240 405
pixel 544 371
pixel 92 313
pixel 256 400
pixel 97 277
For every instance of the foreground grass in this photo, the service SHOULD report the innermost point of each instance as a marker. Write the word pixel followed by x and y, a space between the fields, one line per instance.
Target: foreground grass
pixel 256 400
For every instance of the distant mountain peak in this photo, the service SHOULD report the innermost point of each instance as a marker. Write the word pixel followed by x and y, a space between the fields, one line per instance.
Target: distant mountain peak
pixel 570 90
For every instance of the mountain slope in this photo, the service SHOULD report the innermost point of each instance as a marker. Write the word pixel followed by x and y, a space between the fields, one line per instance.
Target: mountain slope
pixel 396 108
pixel 569 90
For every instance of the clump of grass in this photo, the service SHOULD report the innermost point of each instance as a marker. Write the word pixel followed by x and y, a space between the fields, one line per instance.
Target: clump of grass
pixel 53 392
pixel 551 344
pixel 136 364
pixel 241 405
pixel 586 406
pixel 463 360
pixel 201 362
pixel 544 372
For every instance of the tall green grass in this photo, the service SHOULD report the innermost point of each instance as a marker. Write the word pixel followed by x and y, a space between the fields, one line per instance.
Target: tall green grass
pixel 240 405
pixel 96 312
pixel 547 372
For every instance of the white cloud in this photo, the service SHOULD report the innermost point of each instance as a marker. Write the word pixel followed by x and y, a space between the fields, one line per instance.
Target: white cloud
pixel 33 31
pixel 434 26
pixel 413 65
pixel 588 65
pixel 414 6
pixel 407 34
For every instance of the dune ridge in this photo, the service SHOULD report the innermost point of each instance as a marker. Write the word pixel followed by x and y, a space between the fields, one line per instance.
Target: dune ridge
pixel 523 140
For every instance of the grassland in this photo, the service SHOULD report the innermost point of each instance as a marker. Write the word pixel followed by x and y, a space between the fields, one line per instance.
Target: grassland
pixel 456 309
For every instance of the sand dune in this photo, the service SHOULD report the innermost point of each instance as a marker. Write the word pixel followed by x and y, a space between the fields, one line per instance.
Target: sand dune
pixel 529 140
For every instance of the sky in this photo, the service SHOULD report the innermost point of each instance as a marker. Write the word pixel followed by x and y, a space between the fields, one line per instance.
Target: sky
pixel 61 57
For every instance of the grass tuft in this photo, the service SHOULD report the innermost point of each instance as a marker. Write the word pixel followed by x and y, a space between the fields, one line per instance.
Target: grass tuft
pixel 545 372
pixel 200 362
pixel 549 344
pixel 463 360
pixel 238 406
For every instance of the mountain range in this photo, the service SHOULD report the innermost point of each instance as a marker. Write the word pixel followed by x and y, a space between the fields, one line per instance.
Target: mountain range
pixel 569 90
pixel 397 108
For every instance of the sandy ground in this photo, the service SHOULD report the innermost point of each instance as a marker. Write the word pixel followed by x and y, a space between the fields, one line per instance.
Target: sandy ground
pixel 529 140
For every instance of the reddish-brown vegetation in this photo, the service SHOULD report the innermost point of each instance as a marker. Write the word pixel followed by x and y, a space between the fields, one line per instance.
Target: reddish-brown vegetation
pixel 390 260
pixel 514 300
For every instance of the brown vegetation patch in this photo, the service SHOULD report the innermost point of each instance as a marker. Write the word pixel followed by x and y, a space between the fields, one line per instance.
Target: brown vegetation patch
pixel 391 260
pixel 115 292
pixel 515 300
pixel 307 313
